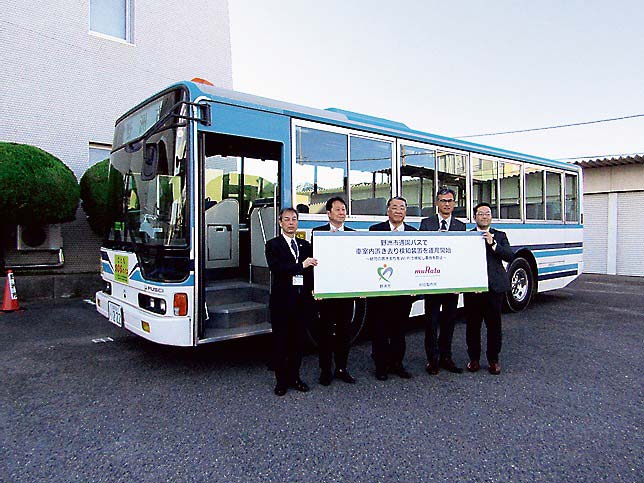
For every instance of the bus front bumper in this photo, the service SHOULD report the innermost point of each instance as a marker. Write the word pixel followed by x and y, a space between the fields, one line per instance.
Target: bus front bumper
pixel 176 331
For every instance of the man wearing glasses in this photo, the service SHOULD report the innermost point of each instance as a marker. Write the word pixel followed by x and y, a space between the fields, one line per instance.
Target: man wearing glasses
pixel 439 324
pixel 487 305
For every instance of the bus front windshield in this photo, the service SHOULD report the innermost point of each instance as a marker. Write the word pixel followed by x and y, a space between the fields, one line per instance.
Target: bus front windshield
pixel 147 180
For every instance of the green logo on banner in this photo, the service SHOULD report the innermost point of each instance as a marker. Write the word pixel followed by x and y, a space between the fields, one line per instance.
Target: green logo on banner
pixel 121 270
pixel 385 272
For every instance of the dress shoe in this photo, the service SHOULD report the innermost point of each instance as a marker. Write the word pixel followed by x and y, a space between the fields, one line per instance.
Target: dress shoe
pixel 495 368
pixel 344 375
pixel 432 368
pixel 280 390
pixel 400 371
pixel 381 375
pixel 473 366
pixel 300 385
pixel 448 365
pixel 325 378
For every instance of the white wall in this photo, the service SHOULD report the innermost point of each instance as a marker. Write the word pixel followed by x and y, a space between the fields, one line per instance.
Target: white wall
pixel 62 87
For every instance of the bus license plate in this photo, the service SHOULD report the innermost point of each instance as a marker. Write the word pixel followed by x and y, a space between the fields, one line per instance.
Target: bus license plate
pixel 115 314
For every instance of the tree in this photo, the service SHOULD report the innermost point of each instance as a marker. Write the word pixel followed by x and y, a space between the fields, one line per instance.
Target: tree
pixel 36 188
pixel 94 193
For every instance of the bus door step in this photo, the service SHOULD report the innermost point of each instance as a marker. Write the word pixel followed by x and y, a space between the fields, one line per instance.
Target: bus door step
pixel 238 314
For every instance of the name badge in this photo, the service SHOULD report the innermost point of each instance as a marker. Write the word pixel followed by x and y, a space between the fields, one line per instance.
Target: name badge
pixel 298 280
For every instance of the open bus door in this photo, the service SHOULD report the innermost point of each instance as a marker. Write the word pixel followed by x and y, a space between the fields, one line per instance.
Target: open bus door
pixel 240 181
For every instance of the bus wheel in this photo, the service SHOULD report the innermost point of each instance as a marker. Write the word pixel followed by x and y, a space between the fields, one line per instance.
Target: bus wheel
pixel 522 285
pixel 355 326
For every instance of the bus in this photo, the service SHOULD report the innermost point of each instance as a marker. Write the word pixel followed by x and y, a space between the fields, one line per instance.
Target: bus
pixel 198 174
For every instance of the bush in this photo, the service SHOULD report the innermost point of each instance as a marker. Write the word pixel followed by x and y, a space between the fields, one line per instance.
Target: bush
pixel 94 193
pixel 36 188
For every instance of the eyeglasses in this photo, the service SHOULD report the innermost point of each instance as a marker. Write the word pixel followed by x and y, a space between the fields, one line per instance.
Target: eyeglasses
pixel 446 201
pixel 483 213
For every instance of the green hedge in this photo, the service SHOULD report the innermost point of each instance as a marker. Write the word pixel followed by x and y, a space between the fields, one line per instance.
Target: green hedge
pixel 35 187
pixel 94 192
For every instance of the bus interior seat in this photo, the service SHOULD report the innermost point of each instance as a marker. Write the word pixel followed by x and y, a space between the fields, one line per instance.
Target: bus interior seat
pixel 209 203
pixel 428 211
pixel 460 212
pixel 302 208
pixel 413 210
pixel 370 206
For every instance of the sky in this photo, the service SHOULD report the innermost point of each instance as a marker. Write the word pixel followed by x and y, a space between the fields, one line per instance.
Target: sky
pixel 456 68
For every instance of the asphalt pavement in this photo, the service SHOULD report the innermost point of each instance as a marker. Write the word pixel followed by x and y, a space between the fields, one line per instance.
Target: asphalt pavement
pixel 81 400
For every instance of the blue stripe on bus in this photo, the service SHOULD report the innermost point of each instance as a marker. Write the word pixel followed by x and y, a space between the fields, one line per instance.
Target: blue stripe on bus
pixel 364 225
pixel 550 276
pixel 107 268
pixel 558 268
pixel 553 253
pixel 190 281
pixel 551 246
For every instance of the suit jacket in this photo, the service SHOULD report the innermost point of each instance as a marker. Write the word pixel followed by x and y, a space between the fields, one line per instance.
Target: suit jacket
pixel 432 224
pixel 283 267
pixel 497 277
pixel 327 227
pixel 384 226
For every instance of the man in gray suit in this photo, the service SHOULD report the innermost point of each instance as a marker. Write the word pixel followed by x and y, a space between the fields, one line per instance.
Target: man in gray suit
pixel 439 347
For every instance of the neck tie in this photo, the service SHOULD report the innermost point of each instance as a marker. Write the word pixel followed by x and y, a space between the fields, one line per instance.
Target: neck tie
pixel 294 247
pixel 443 225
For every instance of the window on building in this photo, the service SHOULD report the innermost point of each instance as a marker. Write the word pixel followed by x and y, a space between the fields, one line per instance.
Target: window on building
pixel 370 176
pixel 485 175
pixel 320 170
pixel 112 17
pixel 553 196
pixel 98 152
pixel 572 208
pixel 417 168
pixel 452 173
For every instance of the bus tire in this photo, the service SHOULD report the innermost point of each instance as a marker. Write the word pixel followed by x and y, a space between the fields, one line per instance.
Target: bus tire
pixel 521 285
pixel 355 326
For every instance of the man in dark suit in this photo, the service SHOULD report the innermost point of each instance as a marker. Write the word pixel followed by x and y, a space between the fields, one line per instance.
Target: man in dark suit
pixel 487 305
pixel 335 314
pixel 439 347
pixel 390 314
pixel 290 262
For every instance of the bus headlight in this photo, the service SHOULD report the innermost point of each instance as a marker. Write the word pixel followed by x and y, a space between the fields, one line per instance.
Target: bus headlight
pixel 153 304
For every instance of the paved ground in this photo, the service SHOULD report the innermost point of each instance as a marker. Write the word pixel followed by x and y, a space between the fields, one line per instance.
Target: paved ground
pixel 567 407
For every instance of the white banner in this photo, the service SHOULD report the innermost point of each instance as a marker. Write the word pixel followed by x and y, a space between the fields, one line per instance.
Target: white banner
pixel 377 263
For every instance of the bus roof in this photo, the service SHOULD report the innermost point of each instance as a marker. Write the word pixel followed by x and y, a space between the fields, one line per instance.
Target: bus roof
pixel 358 121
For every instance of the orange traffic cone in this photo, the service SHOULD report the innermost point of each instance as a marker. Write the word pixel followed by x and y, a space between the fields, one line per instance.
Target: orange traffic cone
pixel 10 300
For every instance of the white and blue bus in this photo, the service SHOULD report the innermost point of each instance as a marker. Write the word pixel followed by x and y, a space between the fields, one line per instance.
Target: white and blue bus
pixel 198 174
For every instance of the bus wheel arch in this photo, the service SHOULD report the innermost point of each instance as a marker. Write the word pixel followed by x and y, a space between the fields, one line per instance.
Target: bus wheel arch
pixel 356 326
pixel 522 272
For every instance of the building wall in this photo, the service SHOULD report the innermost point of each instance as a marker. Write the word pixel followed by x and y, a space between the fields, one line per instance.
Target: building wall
pixel 614 179
pixel 613 201
pixel 62 87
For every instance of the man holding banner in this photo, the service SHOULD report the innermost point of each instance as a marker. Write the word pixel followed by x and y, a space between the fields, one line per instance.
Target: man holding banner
pixel 390 314
pixel 335 314
pixel 487 305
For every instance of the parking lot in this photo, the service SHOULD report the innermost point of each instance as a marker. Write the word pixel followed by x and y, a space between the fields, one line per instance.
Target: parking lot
pixel 83 400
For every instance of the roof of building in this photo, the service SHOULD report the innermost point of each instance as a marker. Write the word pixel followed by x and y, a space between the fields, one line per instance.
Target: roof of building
pixel 608 162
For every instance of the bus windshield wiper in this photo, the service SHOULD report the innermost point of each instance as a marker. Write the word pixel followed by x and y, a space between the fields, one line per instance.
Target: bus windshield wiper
pixel 136 144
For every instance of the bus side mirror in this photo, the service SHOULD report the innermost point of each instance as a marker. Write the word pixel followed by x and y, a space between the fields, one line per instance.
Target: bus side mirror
pixel 150 162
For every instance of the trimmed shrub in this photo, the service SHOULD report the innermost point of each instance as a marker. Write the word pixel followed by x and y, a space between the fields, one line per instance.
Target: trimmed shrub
pixel 36 188
pixel 94 193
